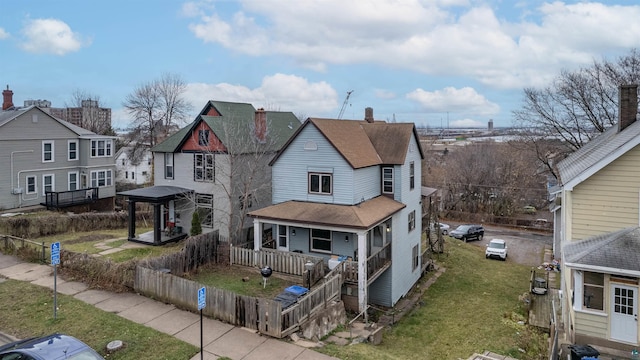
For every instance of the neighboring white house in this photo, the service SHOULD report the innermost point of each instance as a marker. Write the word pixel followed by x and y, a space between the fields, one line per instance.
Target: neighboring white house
pixel 48 161
pixel 218 166
pixel 133 165
pixel 598 209
pixel 350 191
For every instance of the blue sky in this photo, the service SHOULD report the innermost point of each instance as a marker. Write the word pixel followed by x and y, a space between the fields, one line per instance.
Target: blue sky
pixel 460 62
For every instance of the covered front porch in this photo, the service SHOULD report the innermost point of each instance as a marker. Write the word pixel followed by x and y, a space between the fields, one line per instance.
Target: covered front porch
pixel 358 239
pixel 167 201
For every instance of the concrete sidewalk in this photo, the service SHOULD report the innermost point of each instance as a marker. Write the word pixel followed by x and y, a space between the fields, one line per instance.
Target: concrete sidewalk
pixel 219 339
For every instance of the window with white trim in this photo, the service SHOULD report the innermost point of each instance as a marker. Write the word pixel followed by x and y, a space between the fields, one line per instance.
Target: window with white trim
pixel 321 241
pixel 412 175
pixel 101 148
pixel 48 154
pixel 203 167
pixel 168 165
pixel 387 180
pixel 32 185
pixel 412 220
pixel 320 183
pixel 101 178
pixel 416 257
pixel 72 154
pixel 593 290
pixel 47 183
pixel 72 180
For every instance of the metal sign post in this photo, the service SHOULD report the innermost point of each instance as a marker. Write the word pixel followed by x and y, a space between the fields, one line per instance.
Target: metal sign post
pixel 202 302
pixel 55 260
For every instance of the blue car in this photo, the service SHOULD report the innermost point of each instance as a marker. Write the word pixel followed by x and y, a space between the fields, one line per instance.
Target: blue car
pixel 51 347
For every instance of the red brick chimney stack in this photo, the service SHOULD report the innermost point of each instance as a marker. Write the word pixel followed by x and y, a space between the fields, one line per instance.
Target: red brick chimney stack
pixel 7 96
pixel 368 114
pixel 627 105
pixel 261 124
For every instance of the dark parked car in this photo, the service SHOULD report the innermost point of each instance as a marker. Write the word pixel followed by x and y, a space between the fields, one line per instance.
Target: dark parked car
pixel 51 347
pixel 468 232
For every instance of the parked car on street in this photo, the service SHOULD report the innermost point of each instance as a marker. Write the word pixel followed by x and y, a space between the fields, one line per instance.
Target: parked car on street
pixel 51 347
pixel 496 248
pixel 444 228
pixel 529 209
pixel 468 232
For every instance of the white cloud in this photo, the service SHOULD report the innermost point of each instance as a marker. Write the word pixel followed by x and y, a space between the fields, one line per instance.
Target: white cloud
pixel 277 92
pixel 467 123
pixel 51 36
pixel 445 37
pixel 461 101
pixel 3 34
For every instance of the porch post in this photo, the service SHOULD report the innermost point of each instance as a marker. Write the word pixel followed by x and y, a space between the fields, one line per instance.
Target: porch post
pixel 132 219
pixel 362 272
pixel 157 231
pixel 257 234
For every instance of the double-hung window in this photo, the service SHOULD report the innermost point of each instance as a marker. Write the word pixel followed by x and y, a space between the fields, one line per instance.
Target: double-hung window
pixel 72 182
pixel 73 150
pixel 416 257
pixel 168 165
pixel 47 183
pixel 47 151
pixel 593 290
pixel 32 185
pixel 321 241
pixel 387 180
pixel 101 178
pixel 412 175
pixel 101 148
pixel 203 169
pixel 412 220
pixel 320 183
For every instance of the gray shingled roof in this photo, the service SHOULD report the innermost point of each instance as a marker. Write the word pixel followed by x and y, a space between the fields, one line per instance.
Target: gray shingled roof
pixel 597 150
pixel 614 250
pixel 8 115
pixel 280 125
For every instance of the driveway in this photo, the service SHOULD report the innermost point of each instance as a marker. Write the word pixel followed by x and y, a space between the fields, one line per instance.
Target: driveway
pixel 525 247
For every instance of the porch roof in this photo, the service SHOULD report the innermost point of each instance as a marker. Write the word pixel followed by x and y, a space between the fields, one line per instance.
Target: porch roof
pixel 362 216
pixel 155 193
pixel 619 250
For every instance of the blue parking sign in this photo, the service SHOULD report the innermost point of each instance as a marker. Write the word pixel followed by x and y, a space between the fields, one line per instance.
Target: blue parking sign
pixel 202 298
pixel 55 253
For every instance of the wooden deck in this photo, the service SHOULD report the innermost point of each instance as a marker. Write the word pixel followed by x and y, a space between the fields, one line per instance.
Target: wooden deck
pixel 540 307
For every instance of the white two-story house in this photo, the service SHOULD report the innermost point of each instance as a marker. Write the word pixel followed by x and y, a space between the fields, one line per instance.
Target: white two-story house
pixel 51 162
pixel 350 191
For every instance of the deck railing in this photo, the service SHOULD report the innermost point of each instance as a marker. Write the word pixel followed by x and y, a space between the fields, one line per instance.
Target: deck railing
pixel 375 263
pixel 61 199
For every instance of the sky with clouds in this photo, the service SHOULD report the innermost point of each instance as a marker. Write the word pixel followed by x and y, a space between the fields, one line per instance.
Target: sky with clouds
pixel 456 63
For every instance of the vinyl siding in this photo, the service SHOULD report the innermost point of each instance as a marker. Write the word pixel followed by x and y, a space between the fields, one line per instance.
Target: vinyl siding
pixel 46 128
pixel 380 290
pixel 591 324
pixel 608 200
pixel 367 183
pixel 290 172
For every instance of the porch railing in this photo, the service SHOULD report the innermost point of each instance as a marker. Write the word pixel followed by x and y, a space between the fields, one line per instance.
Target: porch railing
pixel 375 263
pixel 61 199
pixel 283 262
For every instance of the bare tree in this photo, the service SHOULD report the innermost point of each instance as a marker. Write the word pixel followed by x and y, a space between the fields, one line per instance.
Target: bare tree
pixel 93 116
pixel 156 107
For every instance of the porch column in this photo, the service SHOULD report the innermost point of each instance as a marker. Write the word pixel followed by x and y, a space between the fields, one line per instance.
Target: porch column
pixel 257 234
pixel 132 219
pixel 362 272
pixel 157 231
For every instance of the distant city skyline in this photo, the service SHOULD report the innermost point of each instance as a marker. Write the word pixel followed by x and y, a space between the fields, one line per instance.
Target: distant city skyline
pixel 411 61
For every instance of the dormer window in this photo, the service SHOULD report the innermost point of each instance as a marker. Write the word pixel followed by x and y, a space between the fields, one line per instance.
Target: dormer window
pixel 387 180
pixel 203 137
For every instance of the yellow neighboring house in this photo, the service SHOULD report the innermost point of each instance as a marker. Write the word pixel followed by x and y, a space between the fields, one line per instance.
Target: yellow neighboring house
pixel 598 233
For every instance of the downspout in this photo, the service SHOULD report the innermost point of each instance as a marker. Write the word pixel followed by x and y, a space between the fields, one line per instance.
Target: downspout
pixel 15 152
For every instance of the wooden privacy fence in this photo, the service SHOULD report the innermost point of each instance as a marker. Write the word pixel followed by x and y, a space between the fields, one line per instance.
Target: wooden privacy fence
pixel 13 243
pixel 283 262
pixel 263 315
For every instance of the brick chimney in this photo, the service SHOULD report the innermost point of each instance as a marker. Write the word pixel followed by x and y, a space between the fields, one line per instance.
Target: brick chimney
pixel 7 96
pixel 261 124
pixel 627 105
pixel 368 114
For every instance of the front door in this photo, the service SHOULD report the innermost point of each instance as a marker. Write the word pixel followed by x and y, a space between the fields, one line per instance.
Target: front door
pixel 624 313
pixel 283 238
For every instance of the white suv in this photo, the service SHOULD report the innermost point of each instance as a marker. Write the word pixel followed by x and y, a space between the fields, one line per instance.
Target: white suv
pixel 496 248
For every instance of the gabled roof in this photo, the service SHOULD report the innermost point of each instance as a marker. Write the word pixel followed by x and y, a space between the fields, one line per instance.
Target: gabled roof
pixel 597 153
pixel 614 252
pixel 364 144
pixel 362 216
pixel 280 125
pixel 7 116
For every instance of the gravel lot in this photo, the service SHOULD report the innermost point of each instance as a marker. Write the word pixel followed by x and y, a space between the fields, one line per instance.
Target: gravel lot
pixel 524 247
